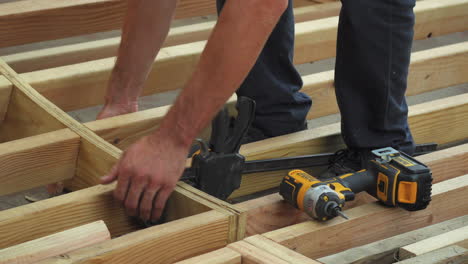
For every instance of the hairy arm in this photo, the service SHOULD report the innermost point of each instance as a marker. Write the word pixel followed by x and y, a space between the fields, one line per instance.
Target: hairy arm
pixel 145 28
pixel 150 169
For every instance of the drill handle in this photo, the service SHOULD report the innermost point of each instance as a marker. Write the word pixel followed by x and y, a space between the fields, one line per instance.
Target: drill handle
pixel 359 181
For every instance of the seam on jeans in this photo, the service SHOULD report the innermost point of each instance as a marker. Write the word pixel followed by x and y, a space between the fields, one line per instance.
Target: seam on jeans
pixel 389 73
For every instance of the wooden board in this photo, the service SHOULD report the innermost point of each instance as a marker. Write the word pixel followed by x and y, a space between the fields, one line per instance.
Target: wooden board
pixel 98 49
pixel 315 240
pixel 278 250
pixel 162 244
pixel 270 212
pixel 220 256
pixel 85 82
pixel 385 251
pixel 448 255
pixel 38 160
pixel 458 236
pixel 253 255
pixel 5 93
pixel 55 244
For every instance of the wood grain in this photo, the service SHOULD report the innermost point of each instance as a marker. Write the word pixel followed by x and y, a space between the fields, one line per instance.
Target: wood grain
pixel 271 212
pixel 384 251
pixel 85 82
pixel 5 93
pixel 452 237
pixel 55 244
pixel 38 160
pixel 98 49
pixel 220 256
pixel 448 255
pixel 315 240
pixel 253 255
pixel 167 243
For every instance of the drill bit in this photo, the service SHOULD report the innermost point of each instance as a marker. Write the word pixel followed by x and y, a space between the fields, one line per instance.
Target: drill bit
pixel 340 213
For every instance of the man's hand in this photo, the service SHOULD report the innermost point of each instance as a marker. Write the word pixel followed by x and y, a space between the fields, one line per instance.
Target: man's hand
pixel 147 173
pixel 110 110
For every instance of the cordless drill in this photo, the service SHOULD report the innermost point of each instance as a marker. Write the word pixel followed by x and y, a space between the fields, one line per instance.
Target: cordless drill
pixel 394 178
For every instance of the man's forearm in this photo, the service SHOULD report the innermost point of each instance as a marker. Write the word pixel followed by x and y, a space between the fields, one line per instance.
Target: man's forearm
pixel 237 39
pixel 145 28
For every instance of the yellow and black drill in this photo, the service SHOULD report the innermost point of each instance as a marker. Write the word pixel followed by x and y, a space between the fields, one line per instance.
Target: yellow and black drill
pixel 394 178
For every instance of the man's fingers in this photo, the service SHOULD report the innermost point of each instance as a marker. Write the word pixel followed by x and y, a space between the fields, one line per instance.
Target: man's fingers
pixel 112 176
pixel 123 182
pixel 147 203
pixel 159 203
pixel 133 197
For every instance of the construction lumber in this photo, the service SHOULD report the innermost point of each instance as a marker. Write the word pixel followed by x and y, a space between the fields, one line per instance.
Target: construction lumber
pixel 38 160
pixel 98 49
pixel 385 251
pixel 443 120
pixel 55 244
pixel 448 63
pixel 278 250
pixel 458 236
pixel 270 212
pixel 372 222
pixel 5 93
pixel 45 217
pixel 220 256
pixel 167 243
pixel 253 255
pixel 447 255
pixel 96 156
pixel 85 82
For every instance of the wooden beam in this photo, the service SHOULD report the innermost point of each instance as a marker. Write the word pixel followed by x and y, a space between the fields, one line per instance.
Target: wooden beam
pixel 253 255
pixel 38 160
pixel 384 251
pixel 278 250
pixel 448 255
pixel 458 236
pixel 55 244
pixel 315 240
pixel 166 243
pixel 441 119
pixel 53 215
pixel 270 212
pixel 448 63
pixel 5 93
pixel 85 82
pixel 220 256
pixel 98 49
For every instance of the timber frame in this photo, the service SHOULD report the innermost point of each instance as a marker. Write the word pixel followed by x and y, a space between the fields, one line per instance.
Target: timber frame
pixel 41 144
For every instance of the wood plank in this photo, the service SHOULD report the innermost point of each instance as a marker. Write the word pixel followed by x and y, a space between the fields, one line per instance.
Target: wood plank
pixel 85 82
pixel 5 93
pixel 270 212
pixel 56 244
pixel 456 236
pixel 448 255
pixel 220 256
pixel 165 243
pixel 253 255
pixel 278 250
pixel 38 160
pixel 96 156
pixel 384 251
pixel 315 240
pixel 441 119
pixel 98 49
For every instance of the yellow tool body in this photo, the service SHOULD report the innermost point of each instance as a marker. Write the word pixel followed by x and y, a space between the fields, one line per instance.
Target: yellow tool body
pixel 392 177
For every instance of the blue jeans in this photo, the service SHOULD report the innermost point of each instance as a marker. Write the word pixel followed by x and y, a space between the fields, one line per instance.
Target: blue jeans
pixel 373 55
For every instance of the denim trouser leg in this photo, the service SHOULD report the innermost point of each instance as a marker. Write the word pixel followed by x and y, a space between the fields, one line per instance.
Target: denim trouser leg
pixel 373 55
pixel 274 82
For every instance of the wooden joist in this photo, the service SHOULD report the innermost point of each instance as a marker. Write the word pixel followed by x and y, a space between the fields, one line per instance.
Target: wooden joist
pixel 35 60
pixel 447 255
pixel 371 222
pixel 385 251
pixel 38 160
pixel 85 82
pixel 270 212
pixel 169 243
pixel 253 255
pixel 220 256
pixel 55 244
pixel 458 236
